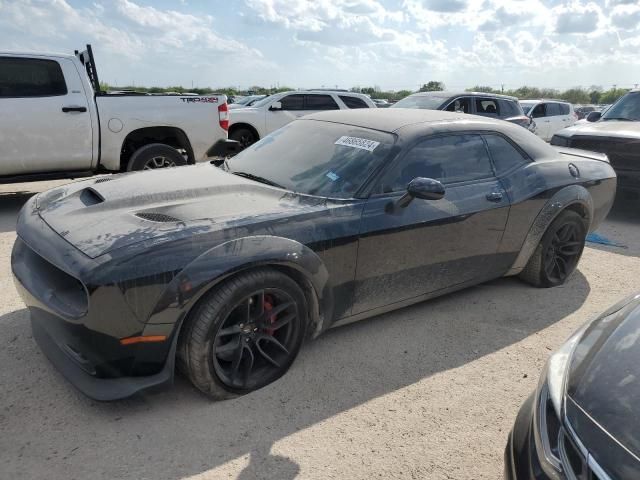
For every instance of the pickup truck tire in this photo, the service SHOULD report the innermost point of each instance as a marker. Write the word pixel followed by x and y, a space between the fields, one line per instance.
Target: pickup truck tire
pixel 244 136
pixel 155 155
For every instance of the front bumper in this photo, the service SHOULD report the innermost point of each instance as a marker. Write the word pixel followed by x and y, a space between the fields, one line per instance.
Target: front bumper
pixel 79 325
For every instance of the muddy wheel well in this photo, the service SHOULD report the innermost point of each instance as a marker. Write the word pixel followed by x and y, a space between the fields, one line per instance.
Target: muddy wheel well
pixel 174 137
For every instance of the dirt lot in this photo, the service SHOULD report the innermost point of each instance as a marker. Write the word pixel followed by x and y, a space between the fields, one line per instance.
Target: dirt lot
pixel 427 392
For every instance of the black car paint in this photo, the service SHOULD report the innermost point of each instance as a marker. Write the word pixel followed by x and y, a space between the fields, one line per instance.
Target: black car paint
pixel 601 409
pixel 353 259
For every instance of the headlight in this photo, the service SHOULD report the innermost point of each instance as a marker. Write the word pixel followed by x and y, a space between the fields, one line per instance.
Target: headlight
pixel 549 403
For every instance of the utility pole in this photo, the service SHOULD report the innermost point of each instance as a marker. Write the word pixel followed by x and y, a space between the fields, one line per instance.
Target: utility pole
pixel 502 88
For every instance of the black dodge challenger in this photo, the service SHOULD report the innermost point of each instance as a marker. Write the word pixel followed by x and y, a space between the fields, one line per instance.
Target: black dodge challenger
pixel 335 217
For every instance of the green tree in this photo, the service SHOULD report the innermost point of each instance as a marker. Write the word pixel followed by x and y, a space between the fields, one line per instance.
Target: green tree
pixel 432 86
pixel 611 96
pixel 575 95
pixel 484 89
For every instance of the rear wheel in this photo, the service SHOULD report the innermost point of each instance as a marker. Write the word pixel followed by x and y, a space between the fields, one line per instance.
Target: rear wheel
pixel 557 255
pixel 245 334
pixel 155 155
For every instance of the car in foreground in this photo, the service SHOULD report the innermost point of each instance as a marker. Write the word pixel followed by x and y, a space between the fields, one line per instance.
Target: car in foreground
pixel 229 269
pixel 250 124
pixel 582 421
pixel 550 116
pixel 56 121
pixel 615 132
pixel 475 103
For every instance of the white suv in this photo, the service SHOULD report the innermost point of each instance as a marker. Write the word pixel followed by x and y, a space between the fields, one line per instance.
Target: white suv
pixel 550 116
pixel 248 125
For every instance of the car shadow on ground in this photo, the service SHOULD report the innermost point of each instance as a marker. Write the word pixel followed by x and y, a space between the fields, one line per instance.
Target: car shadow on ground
pixel 179 433
pixel 10 205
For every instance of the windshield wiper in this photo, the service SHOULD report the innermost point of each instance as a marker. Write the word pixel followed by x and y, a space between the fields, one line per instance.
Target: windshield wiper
pixel 620 118
pixel 257 178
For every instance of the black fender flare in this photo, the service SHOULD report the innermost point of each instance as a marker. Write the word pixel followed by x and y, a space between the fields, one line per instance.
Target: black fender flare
pixel 561 200
pixel 234 256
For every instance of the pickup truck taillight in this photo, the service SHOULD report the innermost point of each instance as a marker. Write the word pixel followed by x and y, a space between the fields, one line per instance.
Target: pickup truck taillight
pixel 223 114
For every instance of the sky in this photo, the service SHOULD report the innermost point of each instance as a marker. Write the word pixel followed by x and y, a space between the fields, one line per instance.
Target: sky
pixel 391 44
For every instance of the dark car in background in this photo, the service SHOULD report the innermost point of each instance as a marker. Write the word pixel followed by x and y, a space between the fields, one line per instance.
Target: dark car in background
pixel 583 421
pixel 489 105
pixel 616 133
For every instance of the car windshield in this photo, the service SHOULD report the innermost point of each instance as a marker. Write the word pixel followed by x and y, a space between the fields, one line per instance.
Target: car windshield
pixel 627 108
pixel 315 158
pixel 427 102
pixel 526 107
pixel 262 102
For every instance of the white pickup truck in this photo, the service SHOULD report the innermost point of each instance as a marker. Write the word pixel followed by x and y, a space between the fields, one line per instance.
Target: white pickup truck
pixel 56 123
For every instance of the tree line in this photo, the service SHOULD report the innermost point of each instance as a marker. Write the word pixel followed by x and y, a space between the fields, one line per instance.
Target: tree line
pixel 594 94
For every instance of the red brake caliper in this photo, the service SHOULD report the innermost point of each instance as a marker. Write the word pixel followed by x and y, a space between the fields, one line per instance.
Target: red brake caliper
pixel 268 306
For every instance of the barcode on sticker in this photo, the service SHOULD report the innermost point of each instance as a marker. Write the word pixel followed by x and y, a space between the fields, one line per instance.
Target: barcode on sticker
pixel 355 142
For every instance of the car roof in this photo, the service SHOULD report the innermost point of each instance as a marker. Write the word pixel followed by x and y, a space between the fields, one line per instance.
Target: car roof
pixel 37 54
pixel 391 120
pixel 416 123
pixel 449 94
pixel 540 100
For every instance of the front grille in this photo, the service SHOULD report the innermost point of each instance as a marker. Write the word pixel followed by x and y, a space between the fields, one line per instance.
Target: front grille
pixel 574 465
pixel 623 153
pixel 53 287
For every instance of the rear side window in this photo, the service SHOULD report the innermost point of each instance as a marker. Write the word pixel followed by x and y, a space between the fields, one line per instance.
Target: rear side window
pixel 509 108
pixel 29 77
pixel 353 102
pixel 539 110
pixel 553 109
pixel 505 156
pixel 450 159
pixel 321 102
pixel 564 108
pixel 487 107
pixel 293 102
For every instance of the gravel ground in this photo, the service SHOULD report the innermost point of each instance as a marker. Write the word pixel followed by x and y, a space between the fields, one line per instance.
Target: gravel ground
pixel 426 392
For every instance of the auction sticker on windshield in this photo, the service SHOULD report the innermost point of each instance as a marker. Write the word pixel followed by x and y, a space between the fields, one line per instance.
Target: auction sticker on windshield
pixel 355 142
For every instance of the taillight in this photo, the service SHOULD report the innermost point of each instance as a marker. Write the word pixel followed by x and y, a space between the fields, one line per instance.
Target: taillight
pixel 223 114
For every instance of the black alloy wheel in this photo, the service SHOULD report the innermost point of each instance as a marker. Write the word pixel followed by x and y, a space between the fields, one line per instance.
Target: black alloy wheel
pixel 563 252
pixel 243 334
pixel 255 342
pixel 244 136
pixel 559 251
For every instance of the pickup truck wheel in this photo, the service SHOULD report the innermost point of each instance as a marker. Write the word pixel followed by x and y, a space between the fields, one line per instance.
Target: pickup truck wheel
pixel 155 155
pixel 244 136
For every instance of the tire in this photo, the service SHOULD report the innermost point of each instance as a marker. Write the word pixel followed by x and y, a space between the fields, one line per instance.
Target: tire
pixel 558 253
pixel 244 136
pixel 155 155
pixel 216 332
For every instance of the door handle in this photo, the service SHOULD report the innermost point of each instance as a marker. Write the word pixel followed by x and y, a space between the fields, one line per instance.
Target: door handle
pixel 74 109
pixel 494 196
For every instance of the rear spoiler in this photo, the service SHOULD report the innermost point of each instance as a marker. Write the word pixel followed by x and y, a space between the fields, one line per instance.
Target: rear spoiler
pixel 86 58
pixel 575 152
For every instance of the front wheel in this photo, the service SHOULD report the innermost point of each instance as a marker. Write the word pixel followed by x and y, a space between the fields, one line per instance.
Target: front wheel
pixel 557 255
pixel 244 136
pixel 245 334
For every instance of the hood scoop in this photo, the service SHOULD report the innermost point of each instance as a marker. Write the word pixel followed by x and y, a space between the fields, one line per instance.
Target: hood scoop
pixel 157 217
pixel 90 197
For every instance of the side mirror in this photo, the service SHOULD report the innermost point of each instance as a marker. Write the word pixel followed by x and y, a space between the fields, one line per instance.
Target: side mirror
pixel 276 106
pixel 422 188
pixel 224 148
pixel 594 116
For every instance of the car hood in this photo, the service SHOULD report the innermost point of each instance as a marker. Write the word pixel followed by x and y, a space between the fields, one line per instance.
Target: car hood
pixel 101 215
pixel 608 128
pixel 604 378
